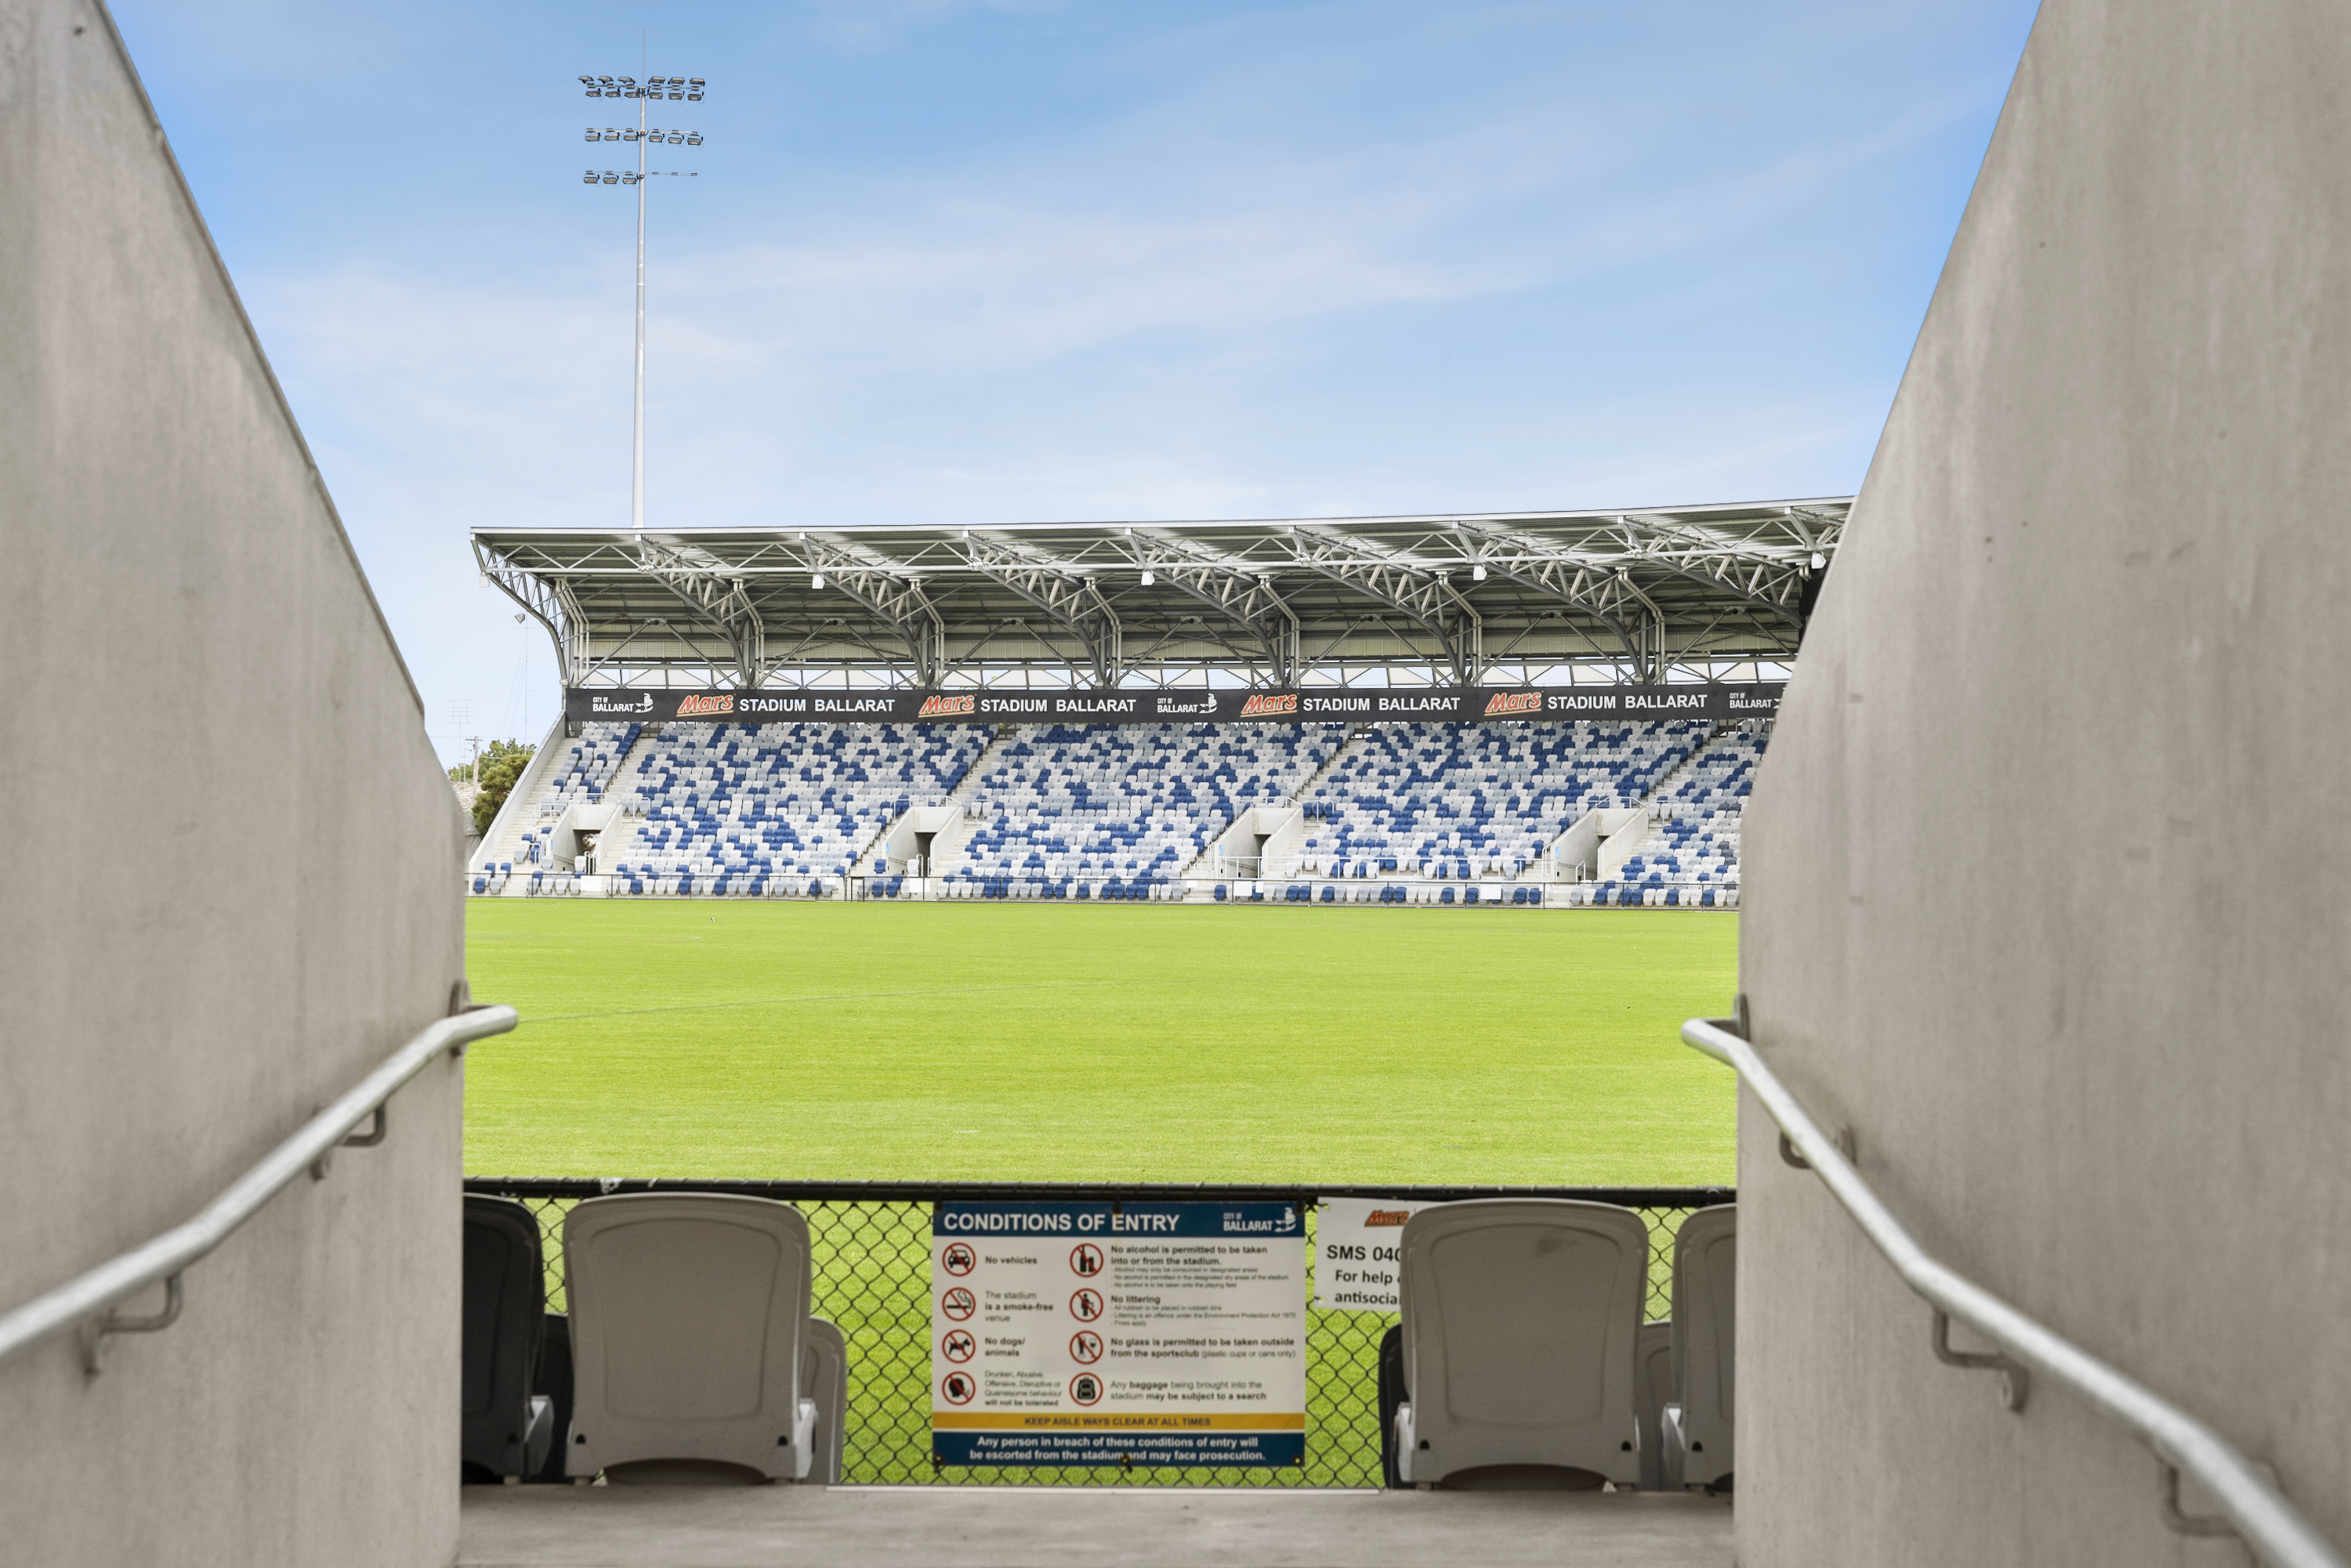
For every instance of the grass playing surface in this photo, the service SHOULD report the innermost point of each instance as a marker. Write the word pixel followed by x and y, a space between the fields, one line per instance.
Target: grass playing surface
pixel 1074 1043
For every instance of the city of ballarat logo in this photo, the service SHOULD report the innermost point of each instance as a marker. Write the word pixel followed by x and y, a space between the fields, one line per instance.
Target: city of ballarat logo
pixel 1386 1216
pixel 718 702
pixel 948 708
pixel 1268 705
pixel 642 703
pixel 1502 703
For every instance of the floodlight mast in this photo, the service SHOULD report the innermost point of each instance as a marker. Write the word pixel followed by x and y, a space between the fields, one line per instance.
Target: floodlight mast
pixel 685 89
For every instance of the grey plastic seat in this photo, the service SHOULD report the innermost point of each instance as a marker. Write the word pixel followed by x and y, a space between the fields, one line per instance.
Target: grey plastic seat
pixel 1521 1321
pixel 689 1315
pixel 824 1383
pixel 1706 1276
pixel 505 1430
pixel 1657 1355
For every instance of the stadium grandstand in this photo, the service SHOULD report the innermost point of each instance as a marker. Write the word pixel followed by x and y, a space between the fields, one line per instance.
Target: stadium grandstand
pixel 1547 710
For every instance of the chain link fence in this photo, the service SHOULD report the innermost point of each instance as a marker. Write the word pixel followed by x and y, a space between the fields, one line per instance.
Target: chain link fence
pixel 872 1245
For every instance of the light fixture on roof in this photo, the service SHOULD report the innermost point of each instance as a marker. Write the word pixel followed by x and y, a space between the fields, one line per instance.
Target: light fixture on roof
pixel 1477 573
pixel 1819 560
pixel 1147 579
pixel 817 582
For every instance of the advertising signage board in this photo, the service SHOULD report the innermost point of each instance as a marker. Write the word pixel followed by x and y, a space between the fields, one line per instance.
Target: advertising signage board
pixel 1312 705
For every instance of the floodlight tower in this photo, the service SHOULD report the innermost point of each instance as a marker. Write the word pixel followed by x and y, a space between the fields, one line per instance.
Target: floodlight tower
pixel 674 90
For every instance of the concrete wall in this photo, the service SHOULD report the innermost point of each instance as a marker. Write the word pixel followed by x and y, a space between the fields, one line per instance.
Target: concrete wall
pixel 180 598
pixel 2096 1052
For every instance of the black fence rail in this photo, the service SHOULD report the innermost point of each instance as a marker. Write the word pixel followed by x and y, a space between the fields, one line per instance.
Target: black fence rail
pixel 872 1244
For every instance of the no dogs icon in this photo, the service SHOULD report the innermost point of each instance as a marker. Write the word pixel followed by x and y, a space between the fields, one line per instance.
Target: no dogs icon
pixel 957 1346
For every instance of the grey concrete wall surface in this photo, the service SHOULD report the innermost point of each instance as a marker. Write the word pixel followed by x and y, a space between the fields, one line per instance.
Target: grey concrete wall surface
pixel 2046 869
pixel 190 650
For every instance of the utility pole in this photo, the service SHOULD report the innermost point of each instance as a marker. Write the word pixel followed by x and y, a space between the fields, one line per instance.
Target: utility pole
pixel 677 89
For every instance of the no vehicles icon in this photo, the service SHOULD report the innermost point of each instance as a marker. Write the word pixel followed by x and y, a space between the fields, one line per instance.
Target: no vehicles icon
pixel 959 1346
pixel 958 1259
pixel 959 1305
pixel 1085 1306
pixel 1085 1260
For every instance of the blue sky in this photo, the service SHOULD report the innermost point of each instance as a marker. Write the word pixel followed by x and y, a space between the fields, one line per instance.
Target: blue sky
pixel 954 261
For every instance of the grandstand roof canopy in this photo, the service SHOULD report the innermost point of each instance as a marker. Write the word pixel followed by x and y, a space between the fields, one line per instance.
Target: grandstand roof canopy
pixel 1644 595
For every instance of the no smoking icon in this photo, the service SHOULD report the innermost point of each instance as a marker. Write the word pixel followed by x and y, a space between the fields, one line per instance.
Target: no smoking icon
pixel 960 1304
pixel 1086 1259
pixel 958 1257
pixel 959 1346
pixel 1086 1306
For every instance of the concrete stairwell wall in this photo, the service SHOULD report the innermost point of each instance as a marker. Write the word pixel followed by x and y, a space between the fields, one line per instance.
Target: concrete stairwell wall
pixel 2099 1061
pixel 180 598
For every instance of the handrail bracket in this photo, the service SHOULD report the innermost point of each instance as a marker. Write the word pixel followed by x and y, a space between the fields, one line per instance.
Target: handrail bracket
pixel 2015 1381
pixel 2185 1523
pixel 93 1332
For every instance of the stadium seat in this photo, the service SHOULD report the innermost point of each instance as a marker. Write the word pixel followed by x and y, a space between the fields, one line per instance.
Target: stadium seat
pixel 1521 1321
pixel 1657 1354
pixel 1697 1426
pixel 824 1382
pixel 505 1430
pixel 689 1315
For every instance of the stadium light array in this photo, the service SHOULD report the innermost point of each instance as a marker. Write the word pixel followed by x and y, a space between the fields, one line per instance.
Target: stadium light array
pixel 652 89
pixel 677 90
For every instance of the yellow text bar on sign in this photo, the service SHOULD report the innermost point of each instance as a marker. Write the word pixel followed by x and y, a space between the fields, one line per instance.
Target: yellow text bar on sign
pixel 1017 1420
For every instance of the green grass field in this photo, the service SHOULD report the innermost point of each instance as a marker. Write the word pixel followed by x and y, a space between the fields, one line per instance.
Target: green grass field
pixel 1070 1042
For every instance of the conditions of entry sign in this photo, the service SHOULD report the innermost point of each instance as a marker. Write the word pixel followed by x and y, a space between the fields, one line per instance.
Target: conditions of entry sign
pixel 1097 1333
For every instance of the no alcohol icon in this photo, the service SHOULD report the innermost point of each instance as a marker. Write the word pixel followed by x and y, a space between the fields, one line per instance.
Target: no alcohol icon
pixel 1086 1259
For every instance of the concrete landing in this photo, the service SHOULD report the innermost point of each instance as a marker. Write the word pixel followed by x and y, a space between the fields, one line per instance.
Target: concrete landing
pixel 1046 1527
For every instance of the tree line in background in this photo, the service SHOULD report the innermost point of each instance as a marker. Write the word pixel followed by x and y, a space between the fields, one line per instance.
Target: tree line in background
pixel 500 764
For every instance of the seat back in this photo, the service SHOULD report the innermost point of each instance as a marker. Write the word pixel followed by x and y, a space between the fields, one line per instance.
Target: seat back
pixel 1656 1356
pixel 688 1311
pixel 1705 1275
pixel 1521 1320
pixel 824 1378
pixel 505 1318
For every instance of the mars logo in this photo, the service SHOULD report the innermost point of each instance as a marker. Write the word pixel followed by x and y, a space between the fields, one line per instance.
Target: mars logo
pixel 948 708
pixel 1386 1216
pixel 1502 703
pixel 688 707
pixel 1268 705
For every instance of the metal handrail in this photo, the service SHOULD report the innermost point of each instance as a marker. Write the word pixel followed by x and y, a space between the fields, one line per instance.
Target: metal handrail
pixel 2252 1507
pixel 85 1301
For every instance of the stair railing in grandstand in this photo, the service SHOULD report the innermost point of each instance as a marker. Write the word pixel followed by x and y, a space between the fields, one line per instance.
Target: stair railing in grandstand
pixel 86 1304
pixel 2250 1507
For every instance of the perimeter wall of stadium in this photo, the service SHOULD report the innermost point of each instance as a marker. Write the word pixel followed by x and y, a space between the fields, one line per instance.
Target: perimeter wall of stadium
pixel 176 1005
pixel 2065 947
